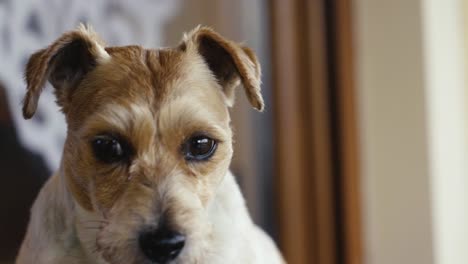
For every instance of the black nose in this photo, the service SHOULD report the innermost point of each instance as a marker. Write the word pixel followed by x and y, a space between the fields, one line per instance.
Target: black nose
pixel 161 245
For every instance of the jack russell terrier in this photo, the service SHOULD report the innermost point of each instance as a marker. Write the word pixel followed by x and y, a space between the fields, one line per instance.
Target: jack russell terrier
pixel 144 175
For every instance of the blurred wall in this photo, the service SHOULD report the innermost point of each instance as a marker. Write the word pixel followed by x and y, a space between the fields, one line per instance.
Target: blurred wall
pixel 446 95
pixel 413 96
pixel 396 199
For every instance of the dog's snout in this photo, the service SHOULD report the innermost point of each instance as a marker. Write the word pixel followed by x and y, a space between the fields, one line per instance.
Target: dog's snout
pixel 161 245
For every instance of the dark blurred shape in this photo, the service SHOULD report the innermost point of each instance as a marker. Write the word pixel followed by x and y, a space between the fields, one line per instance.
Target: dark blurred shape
pixel 22 174
pixel 33 24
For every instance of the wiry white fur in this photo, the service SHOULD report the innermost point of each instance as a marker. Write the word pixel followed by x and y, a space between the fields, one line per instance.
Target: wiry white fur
pixel 60 231
pixel 51 236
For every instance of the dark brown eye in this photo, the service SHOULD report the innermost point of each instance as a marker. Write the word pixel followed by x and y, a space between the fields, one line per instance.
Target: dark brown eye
pixel 109 149
pixel 199 148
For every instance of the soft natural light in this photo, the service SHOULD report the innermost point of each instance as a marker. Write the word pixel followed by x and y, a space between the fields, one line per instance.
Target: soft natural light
pixel 446 95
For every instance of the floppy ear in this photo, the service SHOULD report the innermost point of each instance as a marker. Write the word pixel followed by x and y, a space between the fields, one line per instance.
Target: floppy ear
pixel 230 63
pixel 64 64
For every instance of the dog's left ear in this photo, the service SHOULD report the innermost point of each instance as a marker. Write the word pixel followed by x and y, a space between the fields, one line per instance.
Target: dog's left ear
pixel 64 64
pixel 230 63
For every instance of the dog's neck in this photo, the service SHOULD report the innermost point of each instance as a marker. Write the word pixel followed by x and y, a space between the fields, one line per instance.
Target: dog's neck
pixel 51 234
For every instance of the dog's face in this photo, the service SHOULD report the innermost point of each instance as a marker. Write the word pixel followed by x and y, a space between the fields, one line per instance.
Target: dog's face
pixel 148 139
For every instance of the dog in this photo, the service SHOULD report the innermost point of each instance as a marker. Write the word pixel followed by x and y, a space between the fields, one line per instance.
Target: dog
pixel 144 176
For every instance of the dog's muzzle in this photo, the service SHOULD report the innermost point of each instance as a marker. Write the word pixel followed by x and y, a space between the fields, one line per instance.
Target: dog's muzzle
pixel 161 245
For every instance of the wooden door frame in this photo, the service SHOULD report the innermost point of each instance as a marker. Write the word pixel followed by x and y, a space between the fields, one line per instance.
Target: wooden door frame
pixel 346 99
pixel 316 131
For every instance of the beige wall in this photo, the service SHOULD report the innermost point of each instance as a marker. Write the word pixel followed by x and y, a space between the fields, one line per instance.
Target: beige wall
pixel 390 82
pixel 413 96
pixel 465 46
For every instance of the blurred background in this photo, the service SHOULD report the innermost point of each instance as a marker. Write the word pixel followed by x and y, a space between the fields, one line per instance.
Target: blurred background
pixel 361 155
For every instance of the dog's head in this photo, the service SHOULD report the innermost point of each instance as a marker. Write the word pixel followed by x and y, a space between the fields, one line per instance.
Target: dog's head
pixel 148 138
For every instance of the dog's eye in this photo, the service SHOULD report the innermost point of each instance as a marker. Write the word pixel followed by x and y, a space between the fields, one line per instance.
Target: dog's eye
pixel 199 148
pixel 109 149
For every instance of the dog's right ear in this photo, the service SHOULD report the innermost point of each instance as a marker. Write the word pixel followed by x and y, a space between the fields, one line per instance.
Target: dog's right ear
pixel 64 64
